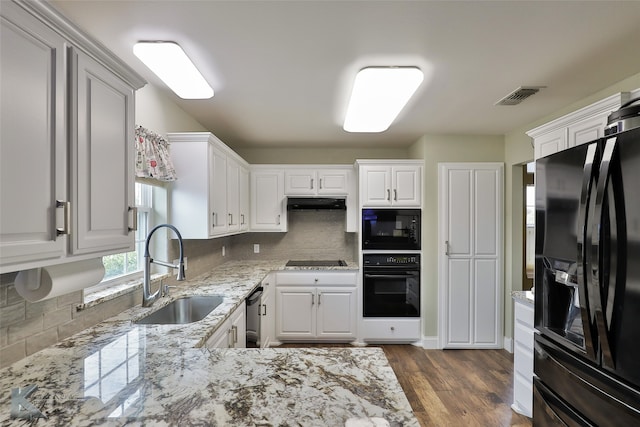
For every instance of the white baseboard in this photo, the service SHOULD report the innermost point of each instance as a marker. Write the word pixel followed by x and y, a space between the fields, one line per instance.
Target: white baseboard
pixel 508 344
pixel 430 343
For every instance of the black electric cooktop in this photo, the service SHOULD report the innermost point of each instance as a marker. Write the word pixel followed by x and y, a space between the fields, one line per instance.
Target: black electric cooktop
pixel 316 263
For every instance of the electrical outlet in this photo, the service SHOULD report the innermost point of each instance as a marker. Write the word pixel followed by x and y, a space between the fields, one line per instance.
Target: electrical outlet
pixel 256 248
pixel 177 260
pixel 224 251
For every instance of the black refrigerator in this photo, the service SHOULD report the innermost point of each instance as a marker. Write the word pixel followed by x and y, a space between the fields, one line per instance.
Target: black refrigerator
pixel 587 284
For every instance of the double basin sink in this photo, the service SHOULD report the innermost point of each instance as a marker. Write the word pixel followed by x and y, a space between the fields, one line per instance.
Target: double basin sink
pixel 183 310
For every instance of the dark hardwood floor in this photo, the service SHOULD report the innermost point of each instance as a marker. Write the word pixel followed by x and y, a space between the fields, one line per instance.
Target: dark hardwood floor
pixel 454 387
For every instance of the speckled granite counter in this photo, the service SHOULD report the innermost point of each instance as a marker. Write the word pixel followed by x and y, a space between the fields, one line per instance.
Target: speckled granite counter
pixel 121 373
pixel 523 296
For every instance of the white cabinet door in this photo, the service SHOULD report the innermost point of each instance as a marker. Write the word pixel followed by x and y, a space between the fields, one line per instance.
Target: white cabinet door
pixel 232 333
pixel 267 312
pixel 301 182
pixel 550 143
pixel 218 190
pixel 587 130
pixel 244 198
pixel 384 185
pixel 102 184
pixel 336 309
pixel 470 259
pixel 233 195
pixel 33 138
pixel 222 338
pixel 268 212
pixel 407 186
pixel 296 315
pixel 238 322
pixel 333 182
pixel 375 185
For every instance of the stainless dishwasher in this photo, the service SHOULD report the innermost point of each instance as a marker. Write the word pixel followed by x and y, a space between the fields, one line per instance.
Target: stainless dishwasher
pixel 253 318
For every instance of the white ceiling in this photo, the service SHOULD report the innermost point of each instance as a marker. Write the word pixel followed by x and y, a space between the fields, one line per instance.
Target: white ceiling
pixel 282 70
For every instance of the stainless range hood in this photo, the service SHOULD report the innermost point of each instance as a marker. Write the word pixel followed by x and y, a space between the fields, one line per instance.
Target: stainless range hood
pixel 315 203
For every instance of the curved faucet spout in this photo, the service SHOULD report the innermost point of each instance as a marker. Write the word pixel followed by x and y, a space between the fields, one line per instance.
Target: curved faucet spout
pixel 147 297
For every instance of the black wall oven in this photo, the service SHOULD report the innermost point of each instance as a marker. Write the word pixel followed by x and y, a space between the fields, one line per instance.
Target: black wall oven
pixel 391 229
pixel 391 285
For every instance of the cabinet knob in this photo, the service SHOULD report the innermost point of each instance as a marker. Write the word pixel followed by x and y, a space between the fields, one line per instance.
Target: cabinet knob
pixel 393 328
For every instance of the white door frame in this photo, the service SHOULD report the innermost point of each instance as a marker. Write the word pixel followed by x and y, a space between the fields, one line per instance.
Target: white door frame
pixel 443 277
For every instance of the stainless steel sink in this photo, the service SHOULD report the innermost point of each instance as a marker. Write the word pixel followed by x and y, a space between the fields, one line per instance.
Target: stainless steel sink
pixel 183 310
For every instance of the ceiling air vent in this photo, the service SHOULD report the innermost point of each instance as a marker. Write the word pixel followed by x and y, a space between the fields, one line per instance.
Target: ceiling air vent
pixel 519 95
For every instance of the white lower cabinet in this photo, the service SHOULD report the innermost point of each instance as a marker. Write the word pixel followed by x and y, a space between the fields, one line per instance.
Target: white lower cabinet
pixel 233 331
pixel 267 312
pixel 523 338
pixel 390 330
pixel 316 313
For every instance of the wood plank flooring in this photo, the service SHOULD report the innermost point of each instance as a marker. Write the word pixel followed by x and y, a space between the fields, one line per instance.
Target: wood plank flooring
pixel 454 387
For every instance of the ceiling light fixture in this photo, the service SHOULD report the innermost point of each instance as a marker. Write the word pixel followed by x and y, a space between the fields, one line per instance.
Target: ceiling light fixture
pixel 169 62
pixel 378 96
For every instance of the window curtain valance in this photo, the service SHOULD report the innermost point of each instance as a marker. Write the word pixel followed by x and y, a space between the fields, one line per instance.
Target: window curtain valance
pixel 152 156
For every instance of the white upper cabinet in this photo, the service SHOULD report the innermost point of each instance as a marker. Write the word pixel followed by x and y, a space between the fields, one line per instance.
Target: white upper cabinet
pixel 268 204
pixel 243 194
pixel 102 153
pixel 390 183
pixel 211 191
pixel 312 182
pixel 217 176
pixel 66 172
pixel 579 127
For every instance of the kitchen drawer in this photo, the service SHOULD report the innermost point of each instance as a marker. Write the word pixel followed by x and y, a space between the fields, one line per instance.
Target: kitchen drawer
pixel 523 360
pixel 523 335
pixel 524 314
pixel 390 330
pixel 316 278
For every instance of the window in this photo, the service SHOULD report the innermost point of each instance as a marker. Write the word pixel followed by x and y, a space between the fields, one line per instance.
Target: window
pixel 120 265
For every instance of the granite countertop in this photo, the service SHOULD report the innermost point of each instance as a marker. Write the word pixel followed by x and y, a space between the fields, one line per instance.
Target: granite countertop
pixel 121 373
pixel 523 296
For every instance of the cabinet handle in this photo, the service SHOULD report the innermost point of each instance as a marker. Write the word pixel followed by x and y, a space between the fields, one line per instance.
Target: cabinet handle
pixel 66 210
pixel 313 299
pixel 241 219
pixel 446 247
pixel 134 219
pixel 230 219
pixel 312 183
pixel 388 194
pixel 395 194
pixel 213 220
pixel 264 312
pixel 234 329
pixel 230 337
pixel 320 186
pixel 278 223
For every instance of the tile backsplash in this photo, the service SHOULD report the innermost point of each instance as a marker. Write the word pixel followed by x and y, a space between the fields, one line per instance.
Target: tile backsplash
pixel 28 327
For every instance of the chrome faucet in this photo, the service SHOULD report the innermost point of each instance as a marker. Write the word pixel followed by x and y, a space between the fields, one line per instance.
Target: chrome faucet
pixel 147 297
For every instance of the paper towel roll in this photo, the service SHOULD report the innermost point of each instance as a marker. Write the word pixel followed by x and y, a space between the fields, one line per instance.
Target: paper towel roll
pixel 49 282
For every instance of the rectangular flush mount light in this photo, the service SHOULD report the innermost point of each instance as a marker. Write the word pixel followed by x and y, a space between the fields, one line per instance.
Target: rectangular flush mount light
pixel 169 62
pixel 378 96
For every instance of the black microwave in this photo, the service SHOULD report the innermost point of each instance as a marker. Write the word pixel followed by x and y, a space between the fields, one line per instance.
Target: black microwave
pixel 391 229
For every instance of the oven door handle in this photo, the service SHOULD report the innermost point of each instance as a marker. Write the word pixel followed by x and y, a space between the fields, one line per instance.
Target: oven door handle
pixel 389 276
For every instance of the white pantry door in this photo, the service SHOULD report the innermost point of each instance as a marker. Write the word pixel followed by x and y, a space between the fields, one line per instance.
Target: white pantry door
pixel 470 256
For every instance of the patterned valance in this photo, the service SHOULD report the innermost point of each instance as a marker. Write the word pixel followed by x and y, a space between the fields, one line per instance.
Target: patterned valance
pixel 152 156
